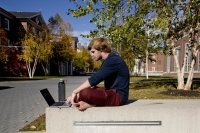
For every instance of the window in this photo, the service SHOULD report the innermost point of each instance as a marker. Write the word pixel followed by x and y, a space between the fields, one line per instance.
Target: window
pixel 198 61
pixel 168 63
pixel 153 69
pixel 9 44
pixel 178 56
pixel 178 52
pixel 7 24
pixel 188 60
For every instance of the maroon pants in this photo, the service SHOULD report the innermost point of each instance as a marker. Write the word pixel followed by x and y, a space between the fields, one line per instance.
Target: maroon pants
pixel 100 97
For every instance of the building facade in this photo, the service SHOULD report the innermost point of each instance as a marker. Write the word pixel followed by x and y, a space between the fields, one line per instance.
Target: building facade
pixel 180 52
pixel 11 26
pixel 164 65
pixel 15 25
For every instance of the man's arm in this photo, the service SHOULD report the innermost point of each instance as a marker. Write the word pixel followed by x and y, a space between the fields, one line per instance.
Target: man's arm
pixel 84 85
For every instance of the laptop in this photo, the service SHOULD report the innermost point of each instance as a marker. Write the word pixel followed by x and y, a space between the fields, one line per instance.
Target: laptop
pixel 50 100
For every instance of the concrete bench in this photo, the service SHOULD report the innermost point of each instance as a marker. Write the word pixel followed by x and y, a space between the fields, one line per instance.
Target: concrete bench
pixel 142 116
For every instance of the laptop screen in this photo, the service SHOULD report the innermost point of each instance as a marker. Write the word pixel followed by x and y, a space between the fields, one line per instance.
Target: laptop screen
pixel 47 96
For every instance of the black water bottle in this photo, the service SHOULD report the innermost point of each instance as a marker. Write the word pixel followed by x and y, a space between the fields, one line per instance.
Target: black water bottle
pixel 61 90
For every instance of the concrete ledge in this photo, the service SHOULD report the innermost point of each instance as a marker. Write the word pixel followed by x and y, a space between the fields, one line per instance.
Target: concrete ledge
pixel 142 116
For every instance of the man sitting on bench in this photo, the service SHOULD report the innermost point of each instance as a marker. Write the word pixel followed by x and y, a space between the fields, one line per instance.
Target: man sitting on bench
pixel 115 74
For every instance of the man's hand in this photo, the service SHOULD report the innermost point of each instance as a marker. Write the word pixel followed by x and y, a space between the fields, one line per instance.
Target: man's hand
pixel 72 99
pixel 68 101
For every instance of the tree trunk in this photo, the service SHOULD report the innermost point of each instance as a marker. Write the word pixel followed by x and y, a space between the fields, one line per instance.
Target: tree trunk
pixel 30 70
pixel 34 68
pixel 193 36
pixel 180 74
pixel 191 72
pixel 190 77
pixel 45 68
pixel 147 67
pixel 180 78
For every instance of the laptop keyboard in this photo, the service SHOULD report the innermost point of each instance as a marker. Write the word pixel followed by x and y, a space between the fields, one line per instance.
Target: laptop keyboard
pixel 60 104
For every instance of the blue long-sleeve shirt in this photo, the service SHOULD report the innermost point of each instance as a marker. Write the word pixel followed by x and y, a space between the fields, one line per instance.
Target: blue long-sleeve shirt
pixel 115 74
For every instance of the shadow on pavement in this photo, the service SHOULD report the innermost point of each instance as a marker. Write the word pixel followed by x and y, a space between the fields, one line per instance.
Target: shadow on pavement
pixel 5 87
pixel 19 79
pixel 131 101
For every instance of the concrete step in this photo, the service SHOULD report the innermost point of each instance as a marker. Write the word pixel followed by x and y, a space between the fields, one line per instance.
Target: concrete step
pixel 142 116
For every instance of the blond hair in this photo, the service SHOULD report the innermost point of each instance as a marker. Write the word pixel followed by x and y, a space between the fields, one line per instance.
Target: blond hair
pixel 100 44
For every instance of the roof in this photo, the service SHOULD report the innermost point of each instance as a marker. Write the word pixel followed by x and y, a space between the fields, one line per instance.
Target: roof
pixel 25 14
pixel 6 13
pixel 28 15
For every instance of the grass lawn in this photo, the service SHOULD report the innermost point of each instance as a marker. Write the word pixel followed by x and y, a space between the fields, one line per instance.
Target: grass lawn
pixel 141 88
pixel 161 88
pixel 36 125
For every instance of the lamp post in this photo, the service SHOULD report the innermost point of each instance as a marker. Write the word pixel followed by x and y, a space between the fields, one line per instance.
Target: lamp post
pixel 147 56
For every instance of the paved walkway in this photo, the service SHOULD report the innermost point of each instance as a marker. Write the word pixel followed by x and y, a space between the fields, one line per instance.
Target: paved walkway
pixel 21 101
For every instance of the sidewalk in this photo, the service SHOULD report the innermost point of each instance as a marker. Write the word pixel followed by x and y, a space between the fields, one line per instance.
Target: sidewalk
pixel 21 101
